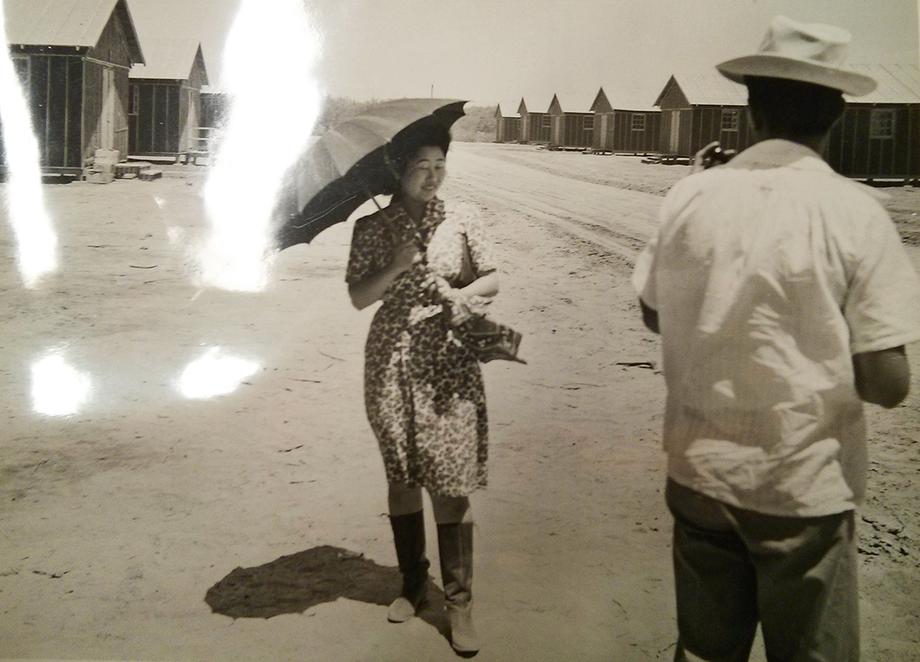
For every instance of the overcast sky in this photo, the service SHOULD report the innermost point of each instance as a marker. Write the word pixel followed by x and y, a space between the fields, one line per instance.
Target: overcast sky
pixel 500 50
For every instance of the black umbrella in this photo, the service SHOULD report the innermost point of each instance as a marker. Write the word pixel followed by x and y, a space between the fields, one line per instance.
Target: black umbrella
pixel 347 166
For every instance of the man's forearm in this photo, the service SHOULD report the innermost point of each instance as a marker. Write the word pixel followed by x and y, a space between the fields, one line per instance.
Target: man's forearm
pixel 883 377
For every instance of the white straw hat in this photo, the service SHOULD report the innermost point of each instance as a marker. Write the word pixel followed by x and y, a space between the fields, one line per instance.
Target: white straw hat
pixel 807 52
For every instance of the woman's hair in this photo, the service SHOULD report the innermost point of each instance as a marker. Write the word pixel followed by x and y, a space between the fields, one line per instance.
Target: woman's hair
pixel 407 144
pixel 793 108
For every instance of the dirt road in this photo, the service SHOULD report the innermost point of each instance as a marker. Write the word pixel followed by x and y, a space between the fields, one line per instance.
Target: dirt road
pixel 124 525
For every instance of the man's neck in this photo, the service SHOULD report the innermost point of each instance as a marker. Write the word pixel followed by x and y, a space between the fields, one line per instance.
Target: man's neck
pixel 814 143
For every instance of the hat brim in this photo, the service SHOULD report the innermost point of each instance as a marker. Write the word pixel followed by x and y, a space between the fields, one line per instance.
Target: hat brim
pixel 780 66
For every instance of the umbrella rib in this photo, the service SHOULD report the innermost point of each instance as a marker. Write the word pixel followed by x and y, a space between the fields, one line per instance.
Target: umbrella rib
pixel 324 212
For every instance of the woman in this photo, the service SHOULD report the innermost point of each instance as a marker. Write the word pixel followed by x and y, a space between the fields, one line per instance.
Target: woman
pixel 423 389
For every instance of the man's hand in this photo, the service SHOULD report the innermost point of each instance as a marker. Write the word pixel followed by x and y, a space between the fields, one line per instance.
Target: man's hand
pixel 711 155
pixel 883 377
pixel 649 317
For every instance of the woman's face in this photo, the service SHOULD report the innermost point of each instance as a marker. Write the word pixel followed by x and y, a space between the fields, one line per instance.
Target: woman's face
pixel 424 174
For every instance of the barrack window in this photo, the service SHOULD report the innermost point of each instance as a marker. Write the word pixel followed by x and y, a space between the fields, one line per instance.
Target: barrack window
pixel 881 123
pixel 729 120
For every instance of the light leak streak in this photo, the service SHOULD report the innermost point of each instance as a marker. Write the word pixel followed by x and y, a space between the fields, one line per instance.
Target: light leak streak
pixel 213 374
pixel 275 102
pixel 35 236
pixel 58 389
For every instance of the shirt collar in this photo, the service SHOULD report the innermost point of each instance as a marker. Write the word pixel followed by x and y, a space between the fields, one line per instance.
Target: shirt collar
pixel 777 153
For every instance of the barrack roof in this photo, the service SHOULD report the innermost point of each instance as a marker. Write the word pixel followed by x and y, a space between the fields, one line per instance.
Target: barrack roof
pixel 706 88
pixel 77 23
pixel 169 59
pixel 897 83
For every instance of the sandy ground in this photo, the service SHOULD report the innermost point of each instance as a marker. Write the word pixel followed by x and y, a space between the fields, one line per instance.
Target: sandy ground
pixel 252 526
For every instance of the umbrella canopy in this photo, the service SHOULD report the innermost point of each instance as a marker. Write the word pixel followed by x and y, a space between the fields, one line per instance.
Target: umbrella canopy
pixel 345 167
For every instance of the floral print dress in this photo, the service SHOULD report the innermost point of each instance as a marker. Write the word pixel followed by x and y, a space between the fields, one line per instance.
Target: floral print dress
pixel 423 390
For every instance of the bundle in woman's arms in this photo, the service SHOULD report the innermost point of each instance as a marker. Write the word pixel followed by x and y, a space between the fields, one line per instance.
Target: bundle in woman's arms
pixel 487 339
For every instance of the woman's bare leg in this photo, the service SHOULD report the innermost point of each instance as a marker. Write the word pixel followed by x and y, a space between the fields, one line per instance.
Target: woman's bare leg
pixel 403 499
pixel 451 510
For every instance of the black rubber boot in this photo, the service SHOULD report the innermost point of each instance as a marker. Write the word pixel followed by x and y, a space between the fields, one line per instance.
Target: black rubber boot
pixel 455 544
pixel 409 537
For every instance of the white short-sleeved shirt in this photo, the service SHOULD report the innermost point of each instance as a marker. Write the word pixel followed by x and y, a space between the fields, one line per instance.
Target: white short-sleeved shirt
pixel 768 274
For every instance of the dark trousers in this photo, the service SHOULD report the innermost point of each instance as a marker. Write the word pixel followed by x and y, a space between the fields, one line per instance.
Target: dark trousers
pixel 734 567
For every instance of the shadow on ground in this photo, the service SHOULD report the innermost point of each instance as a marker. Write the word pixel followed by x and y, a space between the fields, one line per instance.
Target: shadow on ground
pixel 292 584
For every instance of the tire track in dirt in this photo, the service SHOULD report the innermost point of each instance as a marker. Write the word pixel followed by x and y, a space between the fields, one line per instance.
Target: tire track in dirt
pixel 617 220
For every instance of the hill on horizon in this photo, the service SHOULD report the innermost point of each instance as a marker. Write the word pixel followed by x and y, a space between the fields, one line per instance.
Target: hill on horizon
pixel 478 125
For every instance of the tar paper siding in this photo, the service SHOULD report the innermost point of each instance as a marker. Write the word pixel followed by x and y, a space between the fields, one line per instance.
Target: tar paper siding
pixel 684 131
pixel 856 151
pixel 53 85
pixel 166 114
pixel 630 131
pixel 709 123
pixel 572 130
pixel 72 113
pixel 507 129
pixel 686 127
pixel 535 127
pixel 155 120
pixel 105 114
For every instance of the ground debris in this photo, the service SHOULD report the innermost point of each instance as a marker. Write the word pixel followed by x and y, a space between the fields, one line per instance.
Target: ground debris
pixel 648 365
pixel 568 386
pixel 330 356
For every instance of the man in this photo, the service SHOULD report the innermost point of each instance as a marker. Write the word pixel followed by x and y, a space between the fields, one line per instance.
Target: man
pixel 784 299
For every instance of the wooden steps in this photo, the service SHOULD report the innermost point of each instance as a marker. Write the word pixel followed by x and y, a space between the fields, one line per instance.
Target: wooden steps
pixel 105 172
pixel 123 170
pixel 150 174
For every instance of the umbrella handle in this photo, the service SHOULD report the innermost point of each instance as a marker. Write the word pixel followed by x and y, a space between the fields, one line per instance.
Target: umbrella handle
pixel 367 192
pixel 418 238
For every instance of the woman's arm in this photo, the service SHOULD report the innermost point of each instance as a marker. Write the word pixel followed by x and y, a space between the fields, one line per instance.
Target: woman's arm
pixel 484 286
pixel 371 289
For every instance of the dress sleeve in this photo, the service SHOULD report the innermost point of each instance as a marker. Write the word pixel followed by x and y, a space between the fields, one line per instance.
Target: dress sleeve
pixel 371 250
pixel 882 306
pixel 479 242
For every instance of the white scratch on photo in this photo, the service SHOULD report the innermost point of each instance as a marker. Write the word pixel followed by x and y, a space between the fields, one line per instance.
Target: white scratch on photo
pixel 58 389
pixel 32 226
pixel 242 189
pixel 215 373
